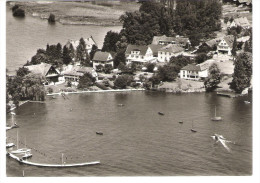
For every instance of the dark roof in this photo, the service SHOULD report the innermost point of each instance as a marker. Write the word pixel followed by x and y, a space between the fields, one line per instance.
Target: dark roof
pixel 172 48
pixel 102 56
pixel 242 21
pixel 212 42
pixel 229 40
pixel 191 67
pixel 140 48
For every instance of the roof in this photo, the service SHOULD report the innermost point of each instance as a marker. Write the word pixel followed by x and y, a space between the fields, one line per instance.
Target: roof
pixel 212 42
pixel 140 48
pixel 191 67
pixel 243 39
pixel 172 48
pixel 101 56
pixel 88 41
pixel 177 40
pixel 39 69
pixel 155 48
pixel 245 1
pixel 242 21
pixel 229 40
pixel 77 70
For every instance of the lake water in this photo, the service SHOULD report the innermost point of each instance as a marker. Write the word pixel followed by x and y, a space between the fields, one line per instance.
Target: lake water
pixel 136 140
pixel 24 36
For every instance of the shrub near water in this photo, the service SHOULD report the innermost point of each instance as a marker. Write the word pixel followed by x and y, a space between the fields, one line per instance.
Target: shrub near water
pixel 19 12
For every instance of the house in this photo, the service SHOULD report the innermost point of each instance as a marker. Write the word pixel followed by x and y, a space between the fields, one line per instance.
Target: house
pixel 73 73
pixel 194 72
pixel 155 49
pixel 242 22
pixel 89 43
pixel 102 58
pixel 46 71
pixel 139 54
pixel 225 45
pixel 164 40
pixel 166 52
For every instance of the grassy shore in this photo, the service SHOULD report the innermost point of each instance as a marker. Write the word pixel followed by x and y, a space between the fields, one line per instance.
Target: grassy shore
pixel 79 13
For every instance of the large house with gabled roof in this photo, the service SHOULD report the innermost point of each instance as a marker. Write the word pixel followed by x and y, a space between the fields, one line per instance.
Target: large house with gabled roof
pixel 241 21
pixel 88 41
pixel 225 45
pixel 46 71
pixel 165 53
pixel 102 58
pixel 194 72
pixel 139 54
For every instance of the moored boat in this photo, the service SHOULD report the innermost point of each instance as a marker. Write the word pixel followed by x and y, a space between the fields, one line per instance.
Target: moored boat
pixel 21 151
pixel 99 133
pixel 27 155
pixel 160 113
pixel 9 145
pixel 247 102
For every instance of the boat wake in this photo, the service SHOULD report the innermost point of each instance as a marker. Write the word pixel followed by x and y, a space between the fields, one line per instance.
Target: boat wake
pixel 222 140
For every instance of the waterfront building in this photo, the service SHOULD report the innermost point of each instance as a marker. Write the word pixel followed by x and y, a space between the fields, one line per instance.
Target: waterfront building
pixel 165 53
pixel 89 43
pixel 72 73
pixel 178 40
pixel 194 72
pixel 225 45
pixel 46 71
pixel 139 54
pixel 102 58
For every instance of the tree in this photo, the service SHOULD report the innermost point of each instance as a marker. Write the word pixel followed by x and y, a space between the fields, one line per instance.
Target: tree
pixel 180 61
pixel 22 71
pixel 66 56
pixel 108 68
pixel 123 81
pixel 119 58
pixel 226 20
pixel 71 51
pixel 51 18
pixel 19 12
pixel 86 61
pixel 150 67
pixel 15 7
pixel 93 51
pixel 99 68
pixel 242 72
pixel 234 49
pixel 248 45
pixel 213 79
pixel 81 50
pixel 86 81
pixel 167 72
pixel 110 41
pixel 201 57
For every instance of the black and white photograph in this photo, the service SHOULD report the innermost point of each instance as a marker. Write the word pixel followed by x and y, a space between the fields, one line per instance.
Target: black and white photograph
pixel 159 88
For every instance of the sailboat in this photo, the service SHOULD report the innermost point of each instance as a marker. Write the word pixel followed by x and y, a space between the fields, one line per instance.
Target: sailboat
pixel 20 151
pixel 9 145
pixel 216 118
pixel 192 129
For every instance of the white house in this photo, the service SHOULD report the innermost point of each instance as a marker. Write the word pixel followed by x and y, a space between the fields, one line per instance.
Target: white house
pixel 102 58
pixel 225 45
pixel 165 53
pixel 242 22
pixel 139 54
pixel 193 72
pixel 72 73
pixel 89 43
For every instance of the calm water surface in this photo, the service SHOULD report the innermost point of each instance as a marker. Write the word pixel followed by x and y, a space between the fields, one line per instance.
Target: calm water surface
pixel 136 140
pixel 24 36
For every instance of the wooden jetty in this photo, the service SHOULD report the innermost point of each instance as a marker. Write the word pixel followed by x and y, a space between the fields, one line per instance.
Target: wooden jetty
pixel 62 165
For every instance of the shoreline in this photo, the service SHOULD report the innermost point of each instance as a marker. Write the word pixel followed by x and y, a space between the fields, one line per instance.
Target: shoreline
pixel 95 91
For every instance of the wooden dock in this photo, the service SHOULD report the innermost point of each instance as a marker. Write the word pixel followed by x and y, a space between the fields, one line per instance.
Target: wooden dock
pixel 52 165
pixel 225 95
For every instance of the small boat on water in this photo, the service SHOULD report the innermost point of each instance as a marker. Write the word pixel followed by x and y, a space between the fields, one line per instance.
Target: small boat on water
pixel 216 118
pixel 160 113
pixel 15 126
pixel 8 128
pixel 180 122
pixel 99 133
pixel 9 145
pixel 247 102
pixel 27 155
pixel 120 105
pixel 192 128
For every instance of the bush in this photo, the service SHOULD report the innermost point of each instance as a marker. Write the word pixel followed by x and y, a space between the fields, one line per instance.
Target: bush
pixel 69 84
pixel 19 13
pixel 50 90
pixel 15 7
pixel 51 18
pixel 150 67
pixel 123 81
